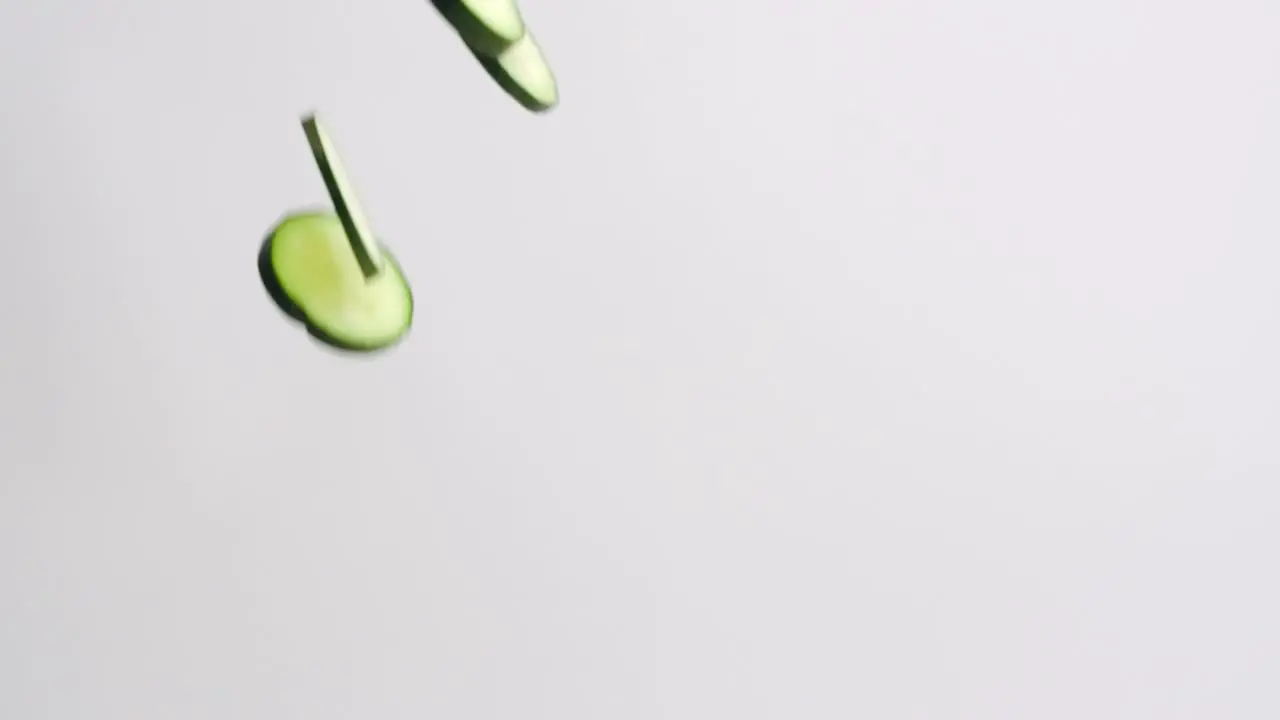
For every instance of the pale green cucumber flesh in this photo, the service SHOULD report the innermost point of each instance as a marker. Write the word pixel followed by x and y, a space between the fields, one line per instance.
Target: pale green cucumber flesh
pixel 318 281
pixel 523 72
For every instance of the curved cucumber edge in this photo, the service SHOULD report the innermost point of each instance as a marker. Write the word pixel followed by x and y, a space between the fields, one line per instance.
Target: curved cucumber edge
pixel 275 290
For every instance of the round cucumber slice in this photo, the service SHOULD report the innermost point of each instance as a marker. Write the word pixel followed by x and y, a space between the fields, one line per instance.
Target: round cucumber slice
pixel 486 26
pixel 523 72
pixel 308 269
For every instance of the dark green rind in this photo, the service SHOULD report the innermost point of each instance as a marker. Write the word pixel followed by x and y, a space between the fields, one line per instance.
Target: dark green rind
pixel 272 284
pixel 475 34
pixel 286 304
pixel 511 87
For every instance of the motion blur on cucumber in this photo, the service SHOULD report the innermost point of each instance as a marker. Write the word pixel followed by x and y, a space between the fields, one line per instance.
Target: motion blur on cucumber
pixel 327 271
pixel 496 34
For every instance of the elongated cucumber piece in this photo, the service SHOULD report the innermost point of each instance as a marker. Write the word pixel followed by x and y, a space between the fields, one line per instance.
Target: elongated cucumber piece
pixel 307 268
pixel 523 72
pixel 486 26
pixel 363 246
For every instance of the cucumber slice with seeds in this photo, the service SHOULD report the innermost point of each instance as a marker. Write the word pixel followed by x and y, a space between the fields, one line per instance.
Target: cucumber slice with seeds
pixel 486 26
pixel 523 72
pixel 327 271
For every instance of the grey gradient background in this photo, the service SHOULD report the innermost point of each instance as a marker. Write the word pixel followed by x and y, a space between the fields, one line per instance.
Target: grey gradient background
pixel 813 360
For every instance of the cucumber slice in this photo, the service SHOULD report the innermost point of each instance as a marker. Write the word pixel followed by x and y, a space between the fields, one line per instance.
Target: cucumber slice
pixel 308 269
pixel 523 72
pixel 327 271
pixel 486 26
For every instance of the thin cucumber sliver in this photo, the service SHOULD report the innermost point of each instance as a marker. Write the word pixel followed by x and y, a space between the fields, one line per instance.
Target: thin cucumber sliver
pixel 345 204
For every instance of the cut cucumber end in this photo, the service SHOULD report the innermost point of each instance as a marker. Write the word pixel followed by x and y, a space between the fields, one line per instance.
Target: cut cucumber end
pixel 307 269
pixel 486 26
pixel 523 72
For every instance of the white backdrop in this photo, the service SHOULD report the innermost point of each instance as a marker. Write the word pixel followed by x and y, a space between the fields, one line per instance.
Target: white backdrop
pixel 813 360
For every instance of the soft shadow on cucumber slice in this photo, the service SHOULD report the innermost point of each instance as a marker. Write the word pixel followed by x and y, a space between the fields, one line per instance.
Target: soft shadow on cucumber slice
pixel 307 268
pixel 523 72
pixel 486 26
